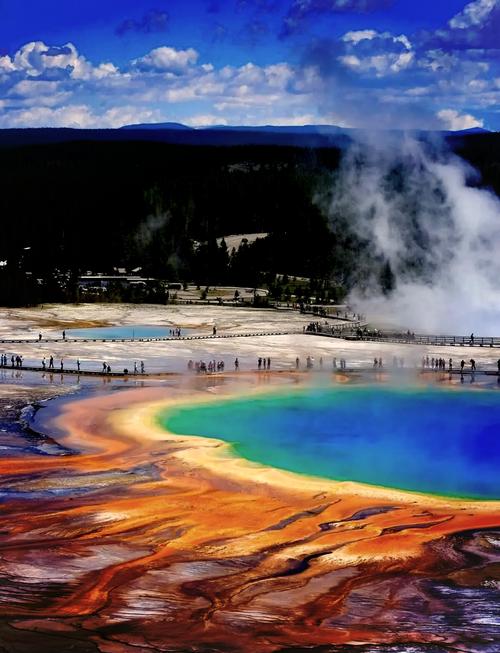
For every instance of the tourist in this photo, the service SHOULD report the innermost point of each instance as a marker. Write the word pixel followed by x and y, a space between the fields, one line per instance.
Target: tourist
pixel 135 364
pixel 108 370
pixel 12 360
pixel 259 363
pixel 64 335
pixel 450 364
pixel 472 339
pixel 236 364
pixel 462 365
pixel 51 363
pixel 104 367
pixel 142 367
pixel 268 363
pixel 39 337
pixel 380 364
pixel 297 364
pixel 472 365
pixel 498 365
pixel 62 365
pixel 214 331
pixel 375 362
pixel 78 364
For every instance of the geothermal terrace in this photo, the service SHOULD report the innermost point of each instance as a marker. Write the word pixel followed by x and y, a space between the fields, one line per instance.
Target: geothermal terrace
pixel 246 334
pixel 174 511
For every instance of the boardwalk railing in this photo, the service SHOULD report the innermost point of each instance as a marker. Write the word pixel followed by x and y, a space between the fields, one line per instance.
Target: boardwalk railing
pixel 424 339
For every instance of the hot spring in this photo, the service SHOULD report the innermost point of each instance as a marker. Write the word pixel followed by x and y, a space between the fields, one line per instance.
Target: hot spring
pixel 134 331
pixel 429 440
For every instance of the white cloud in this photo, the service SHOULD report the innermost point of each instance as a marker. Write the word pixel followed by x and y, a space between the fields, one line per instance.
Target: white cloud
pixel 382 53
pixel 474 14
pixel 76 116
pixel 35 59
pixel 205 120
pixel 167 60
pixel 359 35
pixel 453 120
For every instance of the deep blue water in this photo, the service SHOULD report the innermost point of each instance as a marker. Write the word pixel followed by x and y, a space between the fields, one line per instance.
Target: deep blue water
pixel 129 331
pixel 440 441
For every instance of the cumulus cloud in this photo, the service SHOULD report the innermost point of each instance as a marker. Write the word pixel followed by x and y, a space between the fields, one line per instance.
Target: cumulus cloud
pixel 36 59
pixel 152 21
pixel 474 14
pixel 168 60
pixel 368 51
pixel 477 26
pixel 365 78
pixel 452 119
pixel 76 116
pixel 46 85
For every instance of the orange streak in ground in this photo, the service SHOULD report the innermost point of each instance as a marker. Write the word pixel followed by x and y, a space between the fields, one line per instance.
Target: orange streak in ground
pixel 180 545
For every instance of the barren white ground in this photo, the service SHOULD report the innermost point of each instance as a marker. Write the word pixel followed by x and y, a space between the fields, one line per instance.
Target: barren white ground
pixel 174 355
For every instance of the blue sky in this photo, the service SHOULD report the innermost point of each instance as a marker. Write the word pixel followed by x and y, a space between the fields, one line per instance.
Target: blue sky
pixel 376 63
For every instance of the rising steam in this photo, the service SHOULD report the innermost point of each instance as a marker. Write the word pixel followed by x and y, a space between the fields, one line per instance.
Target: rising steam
pixel 422 212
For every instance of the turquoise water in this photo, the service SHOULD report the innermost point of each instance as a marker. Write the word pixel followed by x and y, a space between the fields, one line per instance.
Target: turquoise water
pixel 435 441
pixel 129 331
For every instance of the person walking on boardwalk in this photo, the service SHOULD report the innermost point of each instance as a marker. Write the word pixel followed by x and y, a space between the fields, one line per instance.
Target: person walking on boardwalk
pixel 236 364
pixel 462 365
pixel 297 363
pixel 62 364
pixel 78 364
pixel 43 364
pixel 268 363
pixel 64 335
pixel 450 364
pixel 51 363
pixel 142 367
pixel 472 365
pixel 135 367
pixel 498 365
pixel 39 336
pixel 104 367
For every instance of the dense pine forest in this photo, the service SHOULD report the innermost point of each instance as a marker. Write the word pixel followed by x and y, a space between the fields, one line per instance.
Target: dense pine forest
pixel 70 208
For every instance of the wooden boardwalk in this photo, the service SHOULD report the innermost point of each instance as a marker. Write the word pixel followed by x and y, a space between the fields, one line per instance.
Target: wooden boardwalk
pixel 365 370
pixel 416 339
pixel 251 334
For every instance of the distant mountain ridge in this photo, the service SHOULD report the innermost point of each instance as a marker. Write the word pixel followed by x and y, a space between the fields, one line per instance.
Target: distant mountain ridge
pixel 158 125
pixel 309 136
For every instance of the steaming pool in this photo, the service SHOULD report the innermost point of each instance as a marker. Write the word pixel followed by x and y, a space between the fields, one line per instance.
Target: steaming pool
pixel 431 440
pixel 134 331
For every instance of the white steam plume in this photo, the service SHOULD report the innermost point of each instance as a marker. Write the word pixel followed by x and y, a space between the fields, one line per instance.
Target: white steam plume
pixel 441 235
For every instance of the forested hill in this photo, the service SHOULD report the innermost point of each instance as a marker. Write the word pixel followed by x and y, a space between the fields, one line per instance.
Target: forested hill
pixel 98 204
